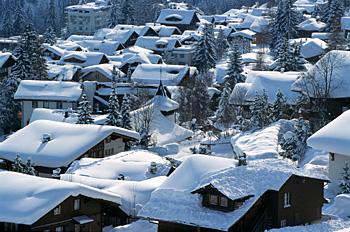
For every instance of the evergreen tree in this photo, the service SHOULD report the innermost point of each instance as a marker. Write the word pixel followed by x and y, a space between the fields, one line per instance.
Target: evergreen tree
pixel 115 15
pixel 7 23
pixel 345 180
pixel 302 132
pixel 334 12
pixel 289 146
pixel 29 167
pixel 51 20
pixel 261 111
pixel 128 74
pixel 19 19
pixel 336 39
pixel 114 117
pixel 298 60
pixel 17 165
pixel 127 13
pixel 285 56
pixel 225 112
pixel 125 112
pixel 84 111
pixel 221 44
pixel 200 110
pixel 280 107
pixel 235 67
pixel 205 53
pixel 316 13
pixel 49 36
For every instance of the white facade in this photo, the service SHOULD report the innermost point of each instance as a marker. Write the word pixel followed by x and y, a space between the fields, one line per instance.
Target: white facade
pixel 28 107
pixel 113 146
pixel 86 19
pixel 336 165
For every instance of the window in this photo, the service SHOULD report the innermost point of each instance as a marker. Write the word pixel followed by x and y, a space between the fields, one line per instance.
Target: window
pixel 59 229
pixel 76 204
pixel 58 105
pixel 182 55
pixel 223 201
pixel 57 210
pixel 286 200
pixel 213 199
pixel 283 223
pixel 97 76
pixel 34 104
pixel 45 104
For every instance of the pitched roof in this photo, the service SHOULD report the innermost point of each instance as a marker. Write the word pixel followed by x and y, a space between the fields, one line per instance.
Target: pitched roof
pixel 69 141
pixel 62 72
pixel 4 56
pixel 173 200
pixel 105 69
pixel 24 199
pixel 48 90
pixel 83 59
pixel 105 46
pixel 176 17
pixel 334 137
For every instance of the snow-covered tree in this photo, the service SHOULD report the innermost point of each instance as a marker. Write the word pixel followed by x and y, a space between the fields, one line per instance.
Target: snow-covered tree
pixel 289 145
pixel 298 60
pixel 284 25
pixel 344 184
pixel 200 109
pixel 115 15
pixel 7 23
pixel 334 11
pixel 125 112
pixel 168 56
pixel 29 167
pixel 261 111
pixel 84 111
pixel 127 13
pixel 20 21
pixel 114 118
pixel 284 56
pixel 280 107
pixel 18 165
pixel 225 112
pixel 234 67
pixel 49 36
pixel 221 44
pixel 51 20
pixel 204 57
pixel 128 74
pixel 302 132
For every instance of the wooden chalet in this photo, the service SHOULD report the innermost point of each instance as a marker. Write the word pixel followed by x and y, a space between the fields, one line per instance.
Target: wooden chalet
pixel 182 19
pixel 7 60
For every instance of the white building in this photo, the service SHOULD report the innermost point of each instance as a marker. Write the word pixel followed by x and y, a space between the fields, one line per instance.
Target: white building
pixel 85 19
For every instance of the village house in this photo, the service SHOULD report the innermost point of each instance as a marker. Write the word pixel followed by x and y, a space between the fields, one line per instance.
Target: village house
pixel 107 47
pixel 53 52
pixel 307 27
pixel 47 94
pixel 335 139
pixel 53 145
pixel 214 194
pixel 100 73
pixel 126 37
pixel 31 203
pixel 132 60
pixel 85 19
pixel 67 72
pixel 7 60
pixel 182 19
pixel 83 59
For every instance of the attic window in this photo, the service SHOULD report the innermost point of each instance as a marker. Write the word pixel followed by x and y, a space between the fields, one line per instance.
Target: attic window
pixel 46 138
pixel 173 72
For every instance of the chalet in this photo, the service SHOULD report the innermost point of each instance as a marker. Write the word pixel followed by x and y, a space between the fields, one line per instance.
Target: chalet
pixel 132 60
pixel 171 75
pixel 338 99
pixel 345 25
pixel 307 27
pixel 126 37
pixel 312 49
pixel 243 38
pixel 182 19
pixel 55 145
pixel 165 31
pixel 265 194
pixel 158 44
pixel 69 45
pixel 53 52
pixel 335 139
pixel 100 73
pixel 7 60
pixel 140 30
pixel 83 59
pixel 47 94
pixel 107 47
pixel 41 204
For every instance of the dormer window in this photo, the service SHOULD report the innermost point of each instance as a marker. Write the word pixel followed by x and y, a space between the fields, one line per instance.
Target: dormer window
pixel 213 199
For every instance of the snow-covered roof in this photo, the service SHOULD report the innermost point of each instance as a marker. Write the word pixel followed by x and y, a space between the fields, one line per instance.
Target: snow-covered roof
pixel 68 142
pixel 137 49
pixel 105 46
pixel 151 74
pixel 90 6
pixel 105 69
pixel 334 137
pixel 244 33
pixel 163 103
pixel 62 72
pixel 4 56
pixel 79 38
pixel 173 200
pixel 311 47
pixel 142 58
pixel 151 42
pixel 121 36
pixel 345 23
pixel 167 31
pixel 321 35
pixel 68 45
pixel 340 86
pixel 238 93
pixel 83 59
pixel 54 49
pixel 48 90
pixel 53 115
pixel 24 199
pixel 311 25
pixel 175 17
pixel 272 81
pixel 259 24
pixel 247 22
